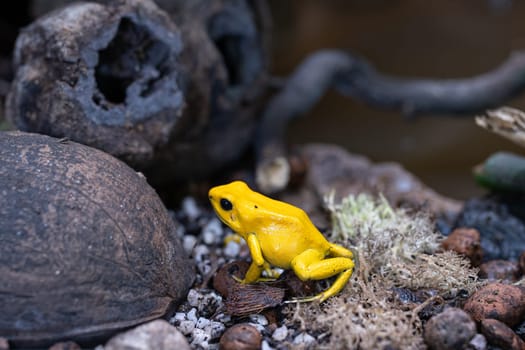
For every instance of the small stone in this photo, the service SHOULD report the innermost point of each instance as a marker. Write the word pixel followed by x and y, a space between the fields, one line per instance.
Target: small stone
pixel 212 232
pixel 200 337
pixel 157 334
pixel 503 302
pixel 179 316
pixel 190 208
pixel 451 329
pixel 500 335
pixel 189 242
pixel 465 241
pixel 202 323
pixel 215 329
pixel 259 319
pixel 192 315
pixel 266 346
pixel 304 339
pixel 4 344
pixel 208 237
pixel 280 333
pixel 186 327
pixel 479 342
pixel 201 252
pixel 232 249
pixel 67 345
pixel 504 270
pixel 241 336
pixel 194 297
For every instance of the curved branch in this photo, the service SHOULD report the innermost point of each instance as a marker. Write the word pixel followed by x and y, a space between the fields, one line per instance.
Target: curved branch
pixel 355 78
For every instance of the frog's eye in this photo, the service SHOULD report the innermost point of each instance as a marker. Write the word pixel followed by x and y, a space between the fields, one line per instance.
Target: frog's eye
pixel 226 204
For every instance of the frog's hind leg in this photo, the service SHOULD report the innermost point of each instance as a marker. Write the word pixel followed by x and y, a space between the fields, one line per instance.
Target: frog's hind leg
pixel 337 250
pixel 312 265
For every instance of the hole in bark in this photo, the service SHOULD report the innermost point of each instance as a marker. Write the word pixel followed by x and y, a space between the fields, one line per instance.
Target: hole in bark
pixel 230 48
pixel 133 56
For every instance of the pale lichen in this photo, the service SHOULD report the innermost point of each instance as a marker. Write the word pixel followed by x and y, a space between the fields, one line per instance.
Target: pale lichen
pixel 395 249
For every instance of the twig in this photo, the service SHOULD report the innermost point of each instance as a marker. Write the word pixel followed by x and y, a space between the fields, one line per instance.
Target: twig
pixel 355 78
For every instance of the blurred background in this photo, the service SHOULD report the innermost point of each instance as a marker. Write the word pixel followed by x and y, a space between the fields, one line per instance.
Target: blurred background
pixel 410 38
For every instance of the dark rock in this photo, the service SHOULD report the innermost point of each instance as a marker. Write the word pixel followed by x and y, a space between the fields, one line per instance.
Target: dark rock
pixel 451 329
pixel 331 168
pixel 122 77
pixel 158 335
pixel 86 245
pixel 499 334
pixel 504 270
pixel 502 302
pixel 466 242
pixel 500 222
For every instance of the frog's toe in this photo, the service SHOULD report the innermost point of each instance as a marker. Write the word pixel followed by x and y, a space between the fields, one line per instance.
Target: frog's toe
pixel 319 297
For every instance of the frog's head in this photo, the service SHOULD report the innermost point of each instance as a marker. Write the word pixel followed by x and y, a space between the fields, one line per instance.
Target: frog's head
pixel 228 202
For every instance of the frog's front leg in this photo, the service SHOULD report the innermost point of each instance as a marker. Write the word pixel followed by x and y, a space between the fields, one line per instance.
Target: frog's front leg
pixel 312 265
pixel 258 263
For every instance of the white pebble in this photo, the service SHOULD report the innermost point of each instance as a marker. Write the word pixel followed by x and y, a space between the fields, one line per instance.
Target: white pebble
pixel 478 342
pixel 211 232
pixel 266 346
pixel 259 319
pixel 186 327
pixel 188 243
pixel 223 318
pixel 257 326
pixel 190 208
pixel 202 323
pixel 200 252
pixel 232 249
pixel 304 338
pixel 179 316
pixel 200 337
pixel 194 297
pixel 208 237
pixel 280 333
pixel 192 315
pixel 215 329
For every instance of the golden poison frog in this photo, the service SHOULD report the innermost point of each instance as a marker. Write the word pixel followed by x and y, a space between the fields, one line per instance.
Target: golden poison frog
pixel 281 235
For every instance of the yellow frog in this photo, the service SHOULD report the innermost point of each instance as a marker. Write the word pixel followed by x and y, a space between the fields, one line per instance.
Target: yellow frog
pixel 281 235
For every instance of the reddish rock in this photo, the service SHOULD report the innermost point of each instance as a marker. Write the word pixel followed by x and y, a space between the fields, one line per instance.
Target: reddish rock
pixel 500 335
pixel 504 270
pixel 503 302
pixel 465 241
